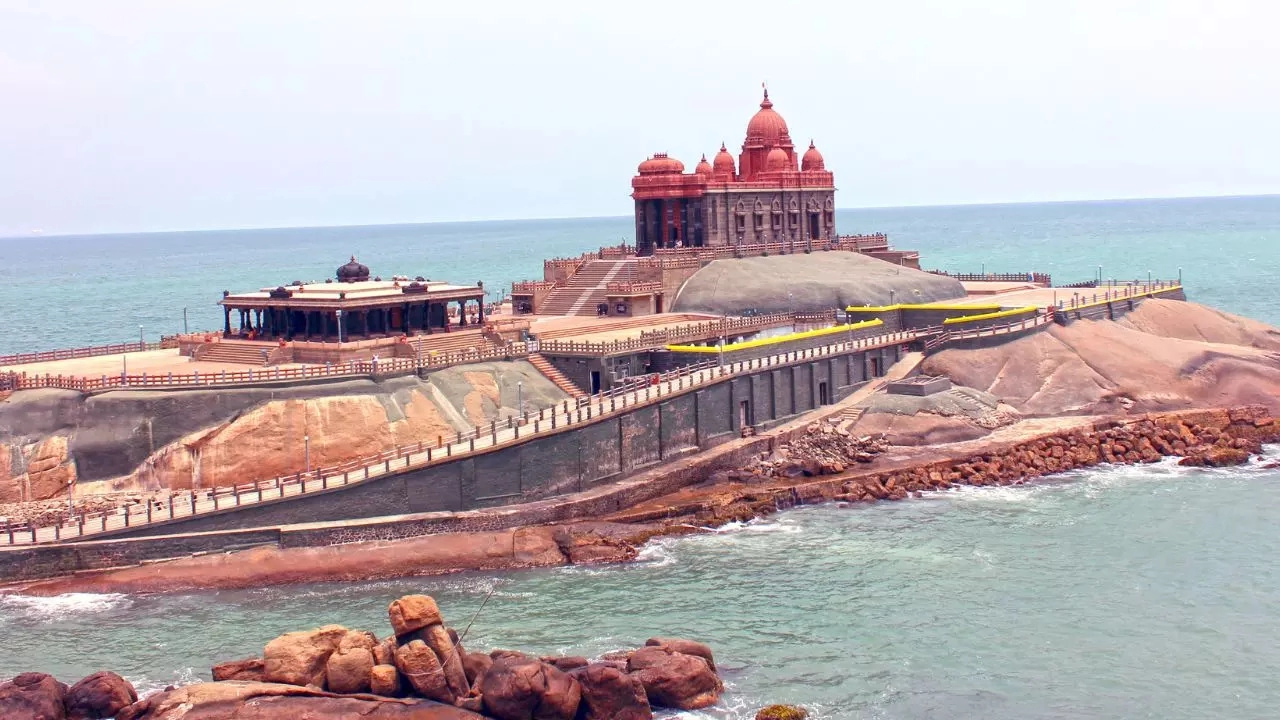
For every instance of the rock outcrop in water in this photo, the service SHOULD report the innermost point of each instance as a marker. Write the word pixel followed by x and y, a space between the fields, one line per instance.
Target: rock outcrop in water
pixel 423 671
pixel 37 696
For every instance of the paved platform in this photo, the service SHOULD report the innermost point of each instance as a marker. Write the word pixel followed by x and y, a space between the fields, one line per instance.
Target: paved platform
pixel 151 362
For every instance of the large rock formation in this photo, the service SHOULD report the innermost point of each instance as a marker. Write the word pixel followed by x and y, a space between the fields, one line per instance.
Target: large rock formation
pixel 131 440
pixel 1165 355
pixel 814 282
pixel 267 701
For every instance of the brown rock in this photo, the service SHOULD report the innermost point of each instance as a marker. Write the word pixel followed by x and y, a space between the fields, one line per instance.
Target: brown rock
pixel 420 666
pixel 476 665
pixel 101 695
pixel 384 680
pixel 474 703
pixel 609 693
pixel 33 696
pixel 250 669
pixel 675 680
pixel 359 639
pixel 437 638
pixel 782 712
pixel 525 689
pixel 348 670
pixel 384 653
pixel 298 658
pixel 268 701
pixel 566 663
pixel 413 612
pixel 688 647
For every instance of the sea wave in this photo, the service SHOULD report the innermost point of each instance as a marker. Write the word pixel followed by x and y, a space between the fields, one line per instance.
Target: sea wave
pixel 58 607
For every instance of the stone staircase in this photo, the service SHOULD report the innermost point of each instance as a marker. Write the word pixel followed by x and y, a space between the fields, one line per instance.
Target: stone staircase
pixel 451 342
pixel 587 288
pixel 847 419
pixel 552 373
pixel 239 352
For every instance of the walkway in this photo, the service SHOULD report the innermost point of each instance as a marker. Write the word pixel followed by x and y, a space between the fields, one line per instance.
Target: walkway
pixel 542 423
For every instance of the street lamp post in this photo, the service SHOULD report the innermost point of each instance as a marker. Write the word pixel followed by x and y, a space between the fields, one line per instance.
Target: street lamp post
pixel 1099 274
pixel 1179 276
pixel 339 312
pixel 184 321
pixel 891 294
pixel 142 343
pixel 306 451
pixel 520 397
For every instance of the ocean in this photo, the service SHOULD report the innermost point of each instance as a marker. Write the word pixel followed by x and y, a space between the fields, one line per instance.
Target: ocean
pixel 1121 592
pixel 71 291
pixel 1118 592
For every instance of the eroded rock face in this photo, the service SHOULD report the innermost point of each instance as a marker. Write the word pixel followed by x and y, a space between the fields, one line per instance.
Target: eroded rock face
pixel 522 688
pixel 348 670
pixel 609 693
pixel 418 663
pixel 413 612
pixel 688 647
pixel 476 665
pixel 101 695
pixel 249 670
pixel 384 680
pixel 675 680
pixel 33 696
pixel 268 701
pixel 299 658
pixel 36 471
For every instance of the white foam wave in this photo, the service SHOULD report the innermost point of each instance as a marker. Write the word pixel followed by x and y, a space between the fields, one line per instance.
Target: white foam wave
pixel 57 607
pixel 657 553
pixel 148 686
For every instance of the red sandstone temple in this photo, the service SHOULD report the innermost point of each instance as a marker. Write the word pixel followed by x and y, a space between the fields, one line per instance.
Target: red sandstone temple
pixel 771 195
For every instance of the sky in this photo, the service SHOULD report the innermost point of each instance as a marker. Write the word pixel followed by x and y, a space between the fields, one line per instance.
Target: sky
pixel 137 115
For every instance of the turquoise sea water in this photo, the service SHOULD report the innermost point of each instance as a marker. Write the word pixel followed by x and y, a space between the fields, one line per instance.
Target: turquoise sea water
pixel 1147 592
pixel 85 290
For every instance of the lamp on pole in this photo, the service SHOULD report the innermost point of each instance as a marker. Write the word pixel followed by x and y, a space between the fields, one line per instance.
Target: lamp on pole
pixel 891 294
pixel 184 321
pixel 71 497
pixel 339 313
pixel 142 344
pixel 1099 274
pixel 306 451
pixel 1179 276
pixel 520 397
pixel 1148 279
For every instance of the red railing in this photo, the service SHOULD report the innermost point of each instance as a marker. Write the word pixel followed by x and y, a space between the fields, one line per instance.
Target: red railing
pixel 1031 277
pixel 633 288
pixel 586 410
pixel 669 336
pixel 81 352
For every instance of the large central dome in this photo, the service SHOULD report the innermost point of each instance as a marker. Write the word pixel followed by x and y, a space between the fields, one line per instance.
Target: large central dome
pixel 767 127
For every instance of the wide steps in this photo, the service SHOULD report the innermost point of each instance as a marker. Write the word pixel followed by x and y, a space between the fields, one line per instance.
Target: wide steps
pixel 231 352
pixel 446 343
pixel 552 373
pixel 587 288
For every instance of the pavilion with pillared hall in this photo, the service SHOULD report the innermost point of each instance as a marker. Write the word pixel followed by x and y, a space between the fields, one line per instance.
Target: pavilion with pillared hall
pixel 771 195
pixel 352 308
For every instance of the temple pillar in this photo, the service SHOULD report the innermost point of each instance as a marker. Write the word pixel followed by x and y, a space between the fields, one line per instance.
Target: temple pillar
pixel 226 328
pixel 480 312
pixel 462 313
pixel 405 321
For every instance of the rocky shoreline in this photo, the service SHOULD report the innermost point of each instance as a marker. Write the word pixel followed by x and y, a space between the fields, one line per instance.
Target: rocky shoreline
pixel 421 672
pixel 805 470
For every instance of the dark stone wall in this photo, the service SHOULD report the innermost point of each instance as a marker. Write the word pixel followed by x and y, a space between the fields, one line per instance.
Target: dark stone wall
pixel 569 461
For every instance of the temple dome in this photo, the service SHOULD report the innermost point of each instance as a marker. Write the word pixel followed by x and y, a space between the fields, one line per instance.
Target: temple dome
pixel 353 272
pixel 723 163
pixel 776 160
pixel 660 163
pixel 704 167
pixel 812 159
pixel 767 127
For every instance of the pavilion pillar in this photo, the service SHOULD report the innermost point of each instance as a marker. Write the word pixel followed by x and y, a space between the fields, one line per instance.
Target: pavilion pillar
pixel 405 324
pixel 480 310
pixel 426 319
pixel 462 312
pixel 226 326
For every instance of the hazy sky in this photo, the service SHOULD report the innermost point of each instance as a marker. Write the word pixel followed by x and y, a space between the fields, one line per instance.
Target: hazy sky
pixel 127 115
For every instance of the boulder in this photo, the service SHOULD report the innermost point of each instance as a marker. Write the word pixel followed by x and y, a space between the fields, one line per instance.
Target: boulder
pixel 269 701
pixel 299 658
pixel 101 695
pixel 33 696
pixel 782 712
pixel 413 612
pixel 688 647
pixel 518 688
pixel 249 669
pixel 675 680
pixel 358 639
pixel 348 670
pixel 566 663
pixel 476 665
pixel 437 638
pixel 384 653
pixel 420 666
pixel 609 693
pixel 384 680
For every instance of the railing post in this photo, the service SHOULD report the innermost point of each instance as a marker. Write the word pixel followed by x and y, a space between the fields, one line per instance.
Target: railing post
pixel 193 502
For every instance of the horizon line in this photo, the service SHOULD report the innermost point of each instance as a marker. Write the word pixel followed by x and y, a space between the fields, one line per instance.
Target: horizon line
pixel 38 234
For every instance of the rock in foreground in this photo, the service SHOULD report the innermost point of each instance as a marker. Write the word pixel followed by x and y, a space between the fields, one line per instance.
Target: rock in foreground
pixel 234 700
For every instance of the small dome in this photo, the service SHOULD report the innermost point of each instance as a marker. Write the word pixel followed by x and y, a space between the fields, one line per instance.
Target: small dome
pixel 724 162
pixel 775 160
pixel 704 167
pixel 812 159
pixel 660 163
pixel 353 272
pixel 767 127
